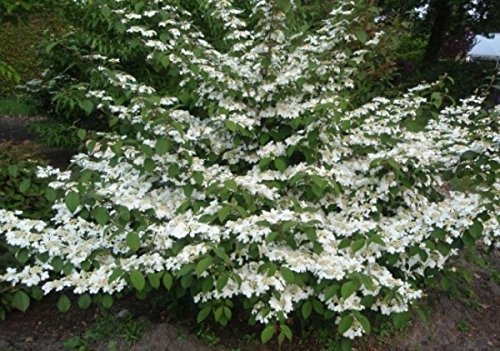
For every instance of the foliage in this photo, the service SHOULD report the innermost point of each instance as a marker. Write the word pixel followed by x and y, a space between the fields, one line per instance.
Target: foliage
pixel 478 16
pixel 108 327
pixel 20 190
pixel 18 46
pixel 57 134
pixel 71 59
pixel 9 8
pixel 466 77
pixel 243 171
pixel 18 106
pixel 8 72
pixel 448 24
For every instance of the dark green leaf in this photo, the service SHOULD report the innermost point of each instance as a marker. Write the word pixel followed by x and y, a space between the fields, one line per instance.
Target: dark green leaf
pixel 348 289
pixel 203 314
pixel 167 281
pixel 306 309
pixel 345 323
pixel 137 279
pixel 476 230
pixel 84 301
pixel 63 304
pixel 101 215
pixel 72 200
pixel 21 301
pixel 267 333
pixel 203 265
pixel 133 241
pixel 400 319
pixel 287 274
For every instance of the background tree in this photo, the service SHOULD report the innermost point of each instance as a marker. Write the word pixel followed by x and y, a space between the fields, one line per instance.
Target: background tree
pixel 441 19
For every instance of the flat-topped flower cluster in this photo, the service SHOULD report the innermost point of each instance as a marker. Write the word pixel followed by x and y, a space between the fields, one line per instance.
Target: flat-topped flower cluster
pixel 255 181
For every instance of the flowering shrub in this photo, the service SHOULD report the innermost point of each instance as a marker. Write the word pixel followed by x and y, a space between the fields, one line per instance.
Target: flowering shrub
pixel 20 190
pixel 250 179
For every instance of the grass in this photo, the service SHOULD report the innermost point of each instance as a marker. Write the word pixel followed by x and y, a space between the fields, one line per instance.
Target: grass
pixel 108 328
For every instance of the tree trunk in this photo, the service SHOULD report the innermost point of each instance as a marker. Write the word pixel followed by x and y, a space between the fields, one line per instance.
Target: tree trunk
pixel 438 31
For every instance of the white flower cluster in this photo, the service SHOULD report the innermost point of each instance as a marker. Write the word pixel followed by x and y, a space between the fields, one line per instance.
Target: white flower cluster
pixel 285 192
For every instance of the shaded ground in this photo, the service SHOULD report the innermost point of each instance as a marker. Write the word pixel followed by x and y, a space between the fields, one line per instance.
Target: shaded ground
pixel 460 323
pixel 15 129
pixel 456 324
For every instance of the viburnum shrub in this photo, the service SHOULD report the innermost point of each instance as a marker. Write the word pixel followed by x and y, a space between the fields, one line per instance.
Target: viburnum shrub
pixel 250 180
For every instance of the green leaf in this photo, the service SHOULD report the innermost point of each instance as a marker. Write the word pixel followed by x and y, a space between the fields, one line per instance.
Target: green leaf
pixel 167 281
pixel 345 323
pixel 72 200
pixel 362 36
pixel 345 344
pixel 185 269
pixel 231 185
pixel 63 304
pixel 223 213
pixel 50 194
pixel 365 323
pixel 137 279
pixel 476 229
pixel 25 185
pixel 227 312
pixel 81 134
pixel 154 280
pixel 133 241
pixel 348 289
pixel 203 314
pixel 267 333
pixel 222 281
pixel 287 274
pixel 357 245
pixel 285 329
pixel 330 291
pixel 87 106
pixel 36 293
pixel 106 12
pixel 162 146
pixel 203 265
pixel 280 164
pixel 394 164
pixel 377 239
pixel 57 264
pixel 149 165
pixel 101 215
pixel 22 256
pixel 198 177
pixel 13 170
pixel 311 234
pixel 367 281
pixel 21 301
pixel 318 307
pixel 231 125
pixel 84 301
pixel 306 309
pixel 107 301
pixel 400 319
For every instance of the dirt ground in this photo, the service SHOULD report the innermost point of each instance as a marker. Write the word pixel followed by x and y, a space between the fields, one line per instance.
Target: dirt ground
pixel 455 324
